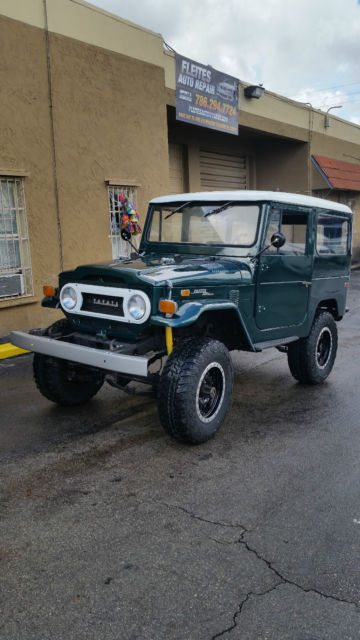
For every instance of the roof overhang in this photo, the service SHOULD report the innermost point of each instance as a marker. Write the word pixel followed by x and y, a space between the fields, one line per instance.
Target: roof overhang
pixel 338 175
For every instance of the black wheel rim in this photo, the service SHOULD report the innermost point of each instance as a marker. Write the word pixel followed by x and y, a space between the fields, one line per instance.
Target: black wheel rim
pixel 323 347
pixel 210 392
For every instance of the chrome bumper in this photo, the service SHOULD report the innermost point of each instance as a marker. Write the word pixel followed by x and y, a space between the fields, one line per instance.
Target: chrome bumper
pixel 109 360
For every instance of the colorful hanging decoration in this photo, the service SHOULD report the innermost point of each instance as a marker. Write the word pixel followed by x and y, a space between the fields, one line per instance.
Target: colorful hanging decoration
pixel 129 217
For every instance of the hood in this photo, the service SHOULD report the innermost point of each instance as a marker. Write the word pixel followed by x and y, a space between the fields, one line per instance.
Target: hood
pixel 160 270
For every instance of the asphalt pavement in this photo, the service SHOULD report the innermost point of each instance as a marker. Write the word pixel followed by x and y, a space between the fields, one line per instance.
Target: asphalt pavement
pixel 111 530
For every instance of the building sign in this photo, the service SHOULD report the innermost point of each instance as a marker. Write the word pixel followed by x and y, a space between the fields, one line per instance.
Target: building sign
pixel 206 97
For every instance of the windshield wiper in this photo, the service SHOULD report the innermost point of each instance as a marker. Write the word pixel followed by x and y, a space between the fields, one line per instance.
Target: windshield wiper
pixel 211 213
pixel 177 210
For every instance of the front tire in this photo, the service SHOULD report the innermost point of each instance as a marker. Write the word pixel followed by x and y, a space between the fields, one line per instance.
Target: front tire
pixel 311 359
pixel 63 382
pixel 195 390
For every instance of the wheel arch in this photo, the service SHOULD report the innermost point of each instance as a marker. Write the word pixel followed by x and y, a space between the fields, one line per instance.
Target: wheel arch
pixel 331 305
pixel 225 325
pixel 191 407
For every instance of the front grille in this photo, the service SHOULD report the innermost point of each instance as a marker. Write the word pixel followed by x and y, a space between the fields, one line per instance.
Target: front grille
pixel 99 303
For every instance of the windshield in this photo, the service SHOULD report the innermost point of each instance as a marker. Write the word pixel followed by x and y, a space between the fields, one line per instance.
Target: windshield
pixel 218 223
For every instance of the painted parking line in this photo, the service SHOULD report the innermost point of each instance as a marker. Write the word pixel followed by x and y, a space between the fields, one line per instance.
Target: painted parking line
pixel 8 350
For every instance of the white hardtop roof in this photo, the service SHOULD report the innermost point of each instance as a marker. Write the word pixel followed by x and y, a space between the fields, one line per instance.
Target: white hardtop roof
pixel 253 196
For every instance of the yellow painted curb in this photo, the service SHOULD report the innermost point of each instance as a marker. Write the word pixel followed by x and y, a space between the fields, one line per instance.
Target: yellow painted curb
pixel 8 351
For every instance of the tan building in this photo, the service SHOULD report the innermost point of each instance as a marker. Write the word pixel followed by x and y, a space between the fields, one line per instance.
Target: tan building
pixel 88 110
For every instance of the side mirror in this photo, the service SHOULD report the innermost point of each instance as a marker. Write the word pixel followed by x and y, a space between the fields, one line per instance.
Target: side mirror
pixel 126 235
pixel 277 240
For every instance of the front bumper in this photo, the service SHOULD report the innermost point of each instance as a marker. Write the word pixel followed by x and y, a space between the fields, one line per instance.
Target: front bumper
pixel 100 358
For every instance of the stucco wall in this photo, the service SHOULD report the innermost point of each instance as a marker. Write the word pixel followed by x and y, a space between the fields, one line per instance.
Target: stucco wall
pixel 26 147
pixel 109 122
pixel 283 166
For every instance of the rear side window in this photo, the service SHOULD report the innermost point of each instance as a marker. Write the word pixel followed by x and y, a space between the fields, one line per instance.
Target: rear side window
pixel 332 235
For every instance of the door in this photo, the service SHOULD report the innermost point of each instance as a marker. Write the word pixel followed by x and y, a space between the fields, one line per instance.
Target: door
pixel 284 275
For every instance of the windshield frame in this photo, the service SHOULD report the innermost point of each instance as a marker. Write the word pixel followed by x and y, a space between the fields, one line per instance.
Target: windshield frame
pixel 200 247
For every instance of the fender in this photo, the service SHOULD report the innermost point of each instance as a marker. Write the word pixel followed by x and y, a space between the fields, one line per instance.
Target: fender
pixel 189 313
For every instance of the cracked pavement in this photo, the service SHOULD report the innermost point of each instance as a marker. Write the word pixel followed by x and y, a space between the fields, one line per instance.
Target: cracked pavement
pixel 110 530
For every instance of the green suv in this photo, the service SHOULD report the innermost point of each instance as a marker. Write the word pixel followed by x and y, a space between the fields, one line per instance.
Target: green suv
pixel 217 271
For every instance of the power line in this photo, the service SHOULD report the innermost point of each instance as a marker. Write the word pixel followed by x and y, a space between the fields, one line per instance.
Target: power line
pixel 338 86
pixel 328 102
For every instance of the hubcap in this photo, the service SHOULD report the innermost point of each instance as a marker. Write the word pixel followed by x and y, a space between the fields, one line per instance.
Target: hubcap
pixel 210 392
pixel 324 347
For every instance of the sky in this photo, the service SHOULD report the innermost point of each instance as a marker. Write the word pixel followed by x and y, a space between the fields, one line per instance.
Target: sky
pixel 307 50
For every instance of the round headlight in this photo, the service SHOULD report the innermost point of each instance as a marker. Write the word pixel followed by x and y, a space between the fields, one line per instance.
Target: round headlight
pixel 68 298
pixel 137 307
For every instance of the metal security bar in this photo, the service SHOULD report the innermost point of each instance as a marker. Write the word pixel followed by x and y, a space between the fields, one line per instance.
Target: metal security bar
pixel 120 248
pixel 15 261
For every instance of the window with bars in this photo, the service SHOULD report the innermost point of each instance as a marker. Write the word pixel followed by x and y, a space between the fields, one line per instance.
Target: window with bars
pixel 120 248
pixel 15 262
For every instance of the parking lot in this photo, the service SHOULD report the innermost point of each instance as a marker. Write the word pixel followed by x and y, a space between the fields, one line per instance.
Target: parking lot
pixel 111 530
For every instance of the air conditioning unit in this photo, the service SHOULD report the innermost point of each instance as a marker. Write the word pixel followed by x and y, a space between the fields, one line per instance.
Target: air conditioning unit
pixel 11 285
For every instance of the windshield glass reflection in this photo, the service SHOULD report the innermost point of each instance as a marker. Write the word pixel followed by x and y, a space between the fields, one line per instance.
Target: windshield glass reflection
pixel 216 223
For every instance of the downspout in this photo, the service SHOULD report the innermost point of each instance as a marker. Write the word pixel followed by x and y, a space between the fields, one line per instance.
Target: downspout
pixel 311 121
pixel 52 133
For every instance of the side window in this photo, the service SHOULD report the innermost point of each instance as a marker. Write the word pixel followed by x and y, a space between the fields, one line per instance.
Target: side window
pixel 331 235
pixel 15 263
pixel 273 227
pixel 294 227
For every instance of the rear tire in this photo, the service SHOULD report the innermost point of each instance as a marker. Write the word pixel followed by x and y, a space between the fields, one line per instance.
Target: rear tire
pixel 195 390
pixel 311 359
pixel 63 382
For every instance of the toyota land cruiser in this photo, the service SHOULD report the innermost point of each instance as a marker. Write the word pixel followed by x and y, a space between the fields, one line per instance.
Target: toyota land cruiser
pixel 218 271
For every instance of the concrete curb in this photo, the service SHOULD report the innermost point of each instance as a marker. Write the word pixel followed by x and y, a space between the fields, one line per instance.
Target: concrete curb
pixel 8 350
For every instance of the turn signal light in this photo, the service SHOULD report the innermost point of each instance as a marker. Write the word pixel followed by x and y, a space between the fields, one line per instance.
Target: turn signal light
pixel 168 306
pixel 49 291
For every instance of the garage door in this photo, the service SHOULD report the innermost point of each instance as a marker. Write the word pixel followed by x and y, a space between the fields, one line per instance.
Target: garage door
pixel 176 168
pixel 223 171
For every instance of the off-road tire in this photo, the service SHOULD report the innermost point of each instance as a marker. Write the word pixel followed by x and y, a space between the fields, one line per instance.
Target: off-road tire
pixel 62 382
pixel 311 359
pixel 195 390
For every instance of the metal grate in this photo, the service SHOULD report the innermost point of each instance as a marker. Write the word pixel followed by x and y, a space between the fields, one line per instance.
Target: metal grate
pixel 102 304
pixel 120 248
pixel 15 262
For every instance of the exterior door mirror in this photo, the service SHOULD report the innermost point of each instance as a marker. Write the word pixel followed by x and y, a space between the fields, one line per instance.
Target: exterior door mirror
pixel 126 235
pixel 277 240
